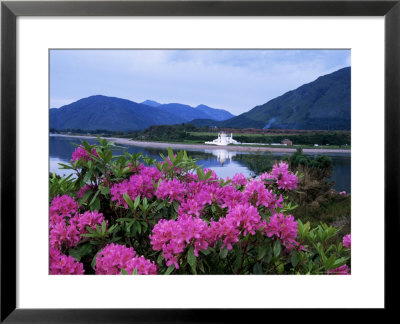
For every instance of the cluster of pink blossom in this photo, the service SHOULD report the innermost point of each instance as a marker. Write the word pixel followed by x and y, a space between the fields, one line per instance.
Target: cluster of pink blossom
pixel 343 270
pixel 142 265
pixel 256 193
pixel 232 197
pixel 81 153
pixel 65 229
pixel 138 185
pixel 88 218
pixel 284 178
pixel 172 189
pixel 240 219
pixel 60 264
pixel 61 207
pixel 282 227
pixel 115 257
pixel 239 180
pixel 347 241
pixel 172 236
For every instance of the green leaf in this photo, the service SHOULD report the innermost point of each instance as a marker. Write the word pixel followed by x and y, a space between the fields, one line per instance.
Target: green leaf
pixel 191 258
pixel 108 156
pixel 123 271
pixel 277 248
pixel 94 197
pixel 281 268
pixel 160 259
pixel 128 200
pixel 87 177
pixel 200 174
pixel 85 197
pixel 169 270
pixel 135 272
pixel 257 269
pixel 160 206
pixel 103 227
pixel 81 251
pixel 136 203
pixel 223 253
pixel 171 155
pixel 294 259
pixel 262 251
pixel 268 257
pixel 176 205
pixel 93 263
pixel 95 205
pixel 201 267
pixel 105 191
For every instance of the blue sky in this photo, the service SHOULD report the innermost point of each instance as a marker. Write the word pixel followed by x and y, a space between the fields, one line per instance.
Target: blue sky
pixel 235 80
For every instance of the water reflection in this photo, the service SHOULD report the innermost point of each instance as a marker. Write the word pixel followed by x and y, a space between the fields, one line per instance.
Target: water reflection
pixel 225 163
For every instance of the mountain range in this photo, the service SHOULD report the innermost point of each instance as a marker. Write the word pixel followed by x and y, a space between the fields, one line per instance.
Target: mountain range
pixel 320 105
pixel 116 114
pixel 323 104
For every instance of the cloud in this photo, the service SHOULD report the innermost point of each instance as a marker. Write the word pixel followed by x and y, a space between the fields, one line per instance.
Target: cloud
pixel 236 80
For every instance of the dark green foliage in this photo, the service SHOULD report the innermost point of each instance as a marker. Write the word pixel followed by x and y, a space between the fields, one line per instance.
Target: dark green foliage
pixel 316 199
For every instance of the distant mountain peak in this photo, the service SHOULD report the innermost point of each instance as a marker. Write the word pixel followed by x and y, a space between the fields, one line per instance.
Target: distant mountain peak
pixel 321 104
pixel 202 106
pixel 117 114
pixel 151 103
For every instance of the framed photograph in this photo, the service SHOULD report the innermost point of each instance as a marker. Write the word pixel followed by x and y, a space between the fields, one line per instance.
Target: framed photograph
pixel 178 156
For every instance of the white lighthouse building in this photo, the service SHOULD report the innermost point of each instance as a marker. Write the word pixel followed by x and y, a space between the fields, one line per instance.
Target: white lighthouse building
pixel 223 139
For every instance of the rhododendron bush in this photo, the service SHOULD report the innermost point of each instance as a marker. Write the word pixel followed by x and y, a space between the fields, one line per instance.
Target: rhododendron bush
pixel 129 214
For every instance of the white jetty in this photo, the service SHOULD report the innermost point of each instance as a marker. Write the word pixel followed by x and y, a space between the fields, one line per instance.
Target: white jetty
pixel 223 139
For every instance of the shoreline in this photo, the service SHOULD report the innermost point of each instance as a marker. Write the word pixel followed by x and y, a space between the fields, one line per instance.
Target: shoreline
pixel 126 141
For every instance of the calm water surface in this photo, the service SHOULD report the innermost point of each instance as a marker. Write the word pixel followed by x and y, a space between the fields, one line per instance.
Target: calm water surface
pixel 225 163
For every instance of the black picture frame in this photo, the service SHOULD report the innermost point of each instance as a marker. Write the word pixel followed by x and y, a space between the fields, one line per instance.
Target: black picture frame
pixel 10 10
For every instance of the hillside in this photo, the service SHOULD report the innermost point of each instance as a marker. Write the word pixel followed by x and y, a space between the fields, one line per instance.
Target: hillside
pixel 322 104
pixel 115 114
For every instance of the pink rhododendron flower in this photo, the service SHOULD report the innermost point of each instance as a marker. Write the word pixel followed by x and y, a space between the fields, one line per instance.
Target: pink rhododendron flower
pixel 225 230
pixel 88 218
pixel 172 237
pixel 60 264
pixel 347 241
pixel 284 178
pixel 81 153
pixel 143 266
pixel 256 193
pixel 113 258
pixel 239 180
pixel 343 270
pixel 138 185
pixel 62 207
pixel 283 227
pixel 241 218
pixel 62 235
pixel 172 189
pixel 231 197
pixel 342 193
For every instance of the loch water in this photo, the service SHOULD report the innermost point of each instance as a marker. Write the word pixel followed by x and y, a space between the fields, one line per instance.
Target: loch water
pixel 225 163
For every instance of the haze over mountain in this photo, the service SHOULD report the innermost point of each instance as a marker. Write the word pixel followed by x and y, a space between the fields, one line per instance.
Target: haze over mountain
pixel 116 114
pixel 320 105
